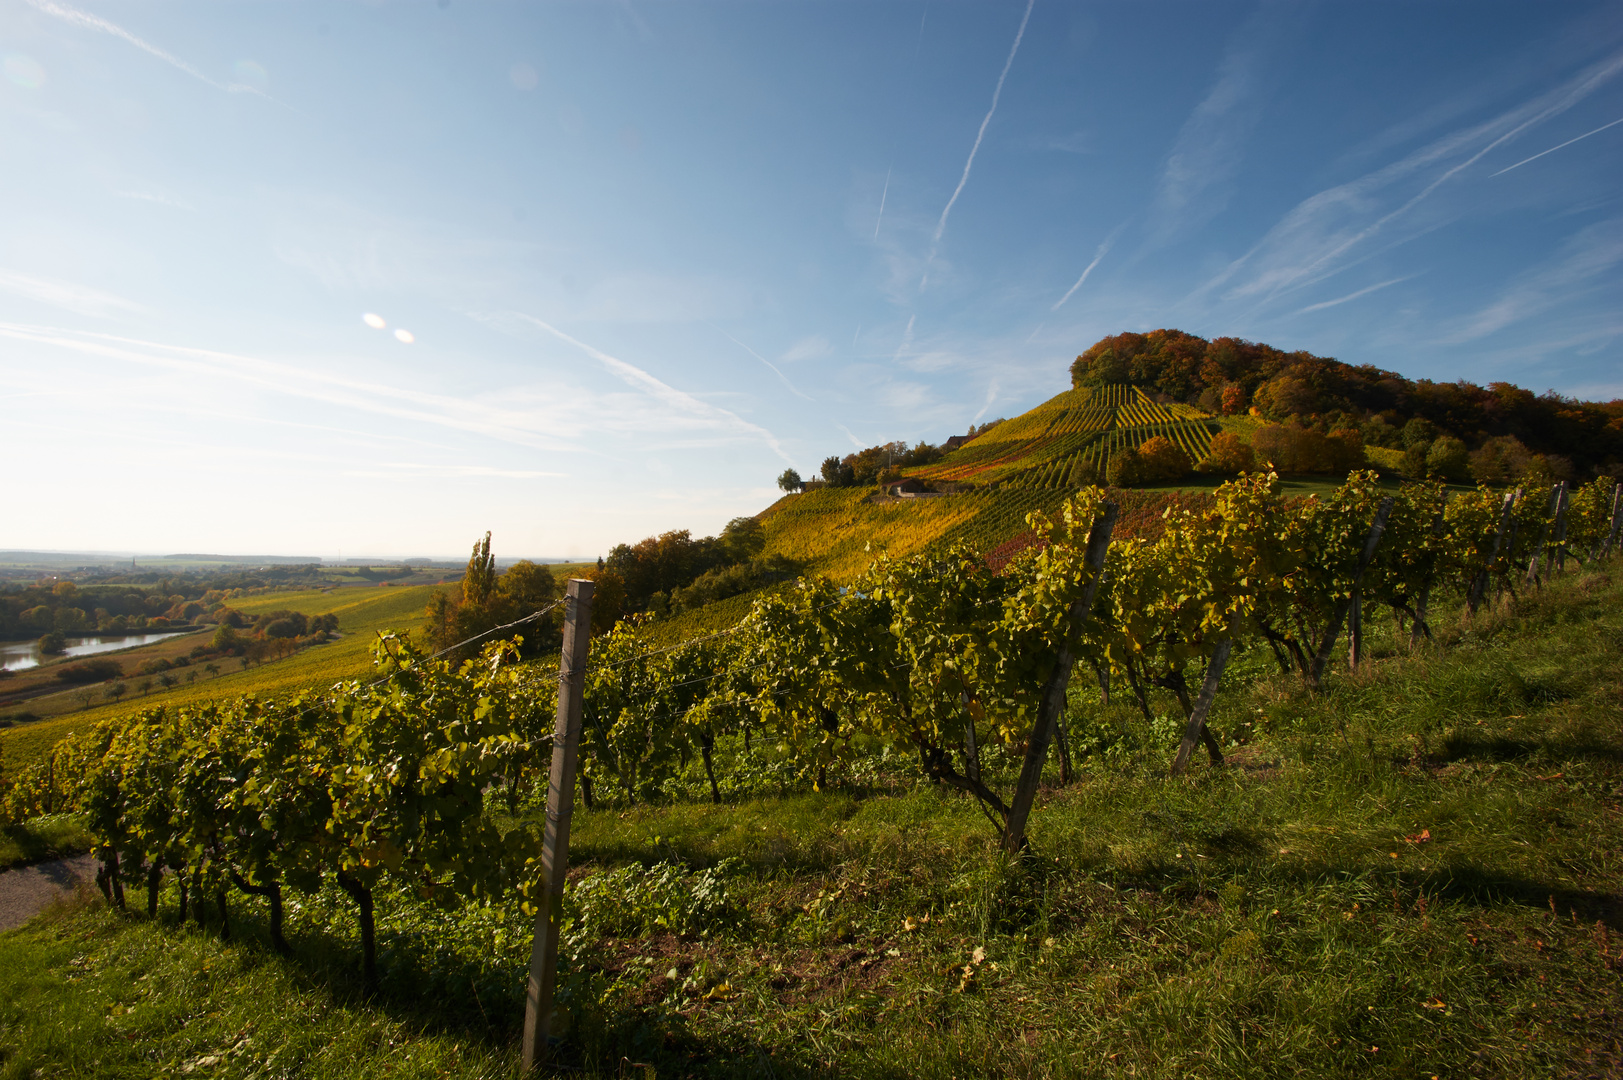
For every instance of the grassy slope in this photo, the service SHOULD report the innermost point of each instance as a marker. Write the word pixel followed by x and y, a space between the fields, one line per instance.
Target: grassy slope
pixel 1281 916
pixel 838 531
pixel 362 615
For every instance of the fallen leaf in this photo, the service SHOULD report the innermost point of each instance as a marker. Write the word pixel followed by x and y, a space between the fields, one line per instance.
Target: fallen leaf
pixel 1436 1003
pixel 1421 837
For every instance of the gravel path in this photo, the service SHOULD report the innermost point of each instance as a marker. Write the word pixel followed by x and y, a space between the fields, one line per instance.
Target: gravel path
pixel 25 891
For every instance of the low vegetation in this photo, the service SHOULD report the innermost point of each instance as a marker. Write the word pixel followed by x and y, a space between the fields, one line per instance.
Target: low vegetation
pixel 1407 873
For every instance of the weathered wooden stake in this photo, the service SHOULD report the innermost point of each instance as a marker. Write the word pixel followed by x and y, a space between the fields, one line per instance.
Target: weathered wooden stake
pixel 1355 630
pixel 1533 564
pixel 1561 531
pixel 560 807
pixel 1617 520
pixel 1053 698
pixel 1203 705
pixel 1331 632
pixel 1480 585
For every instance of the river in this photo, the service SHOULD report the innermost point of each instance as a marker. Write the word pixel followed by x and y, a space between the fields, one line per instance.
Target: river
pixel 22 655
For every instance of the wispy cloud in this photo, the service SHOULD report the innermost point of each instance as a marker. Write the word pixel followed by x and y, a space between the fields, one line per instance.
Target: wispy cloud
pixel 65 294
pixel 1553 149
pixel 156 197
pixel 1338 301
pixel 785 379
pixel 663 392
pixel 1078 142
pixel 907 337
pixel 1098 256
pixel 997 92
pixel 807 348
pixel 991 396
pixel 88 21
pixel 1194 181
pixel 411 470
pixel 531 428
pixel 1317 237
pixel 1588 257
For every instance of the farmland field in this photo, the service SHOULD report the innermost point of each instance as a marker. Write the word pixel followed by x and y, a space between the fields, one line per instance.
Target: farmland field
pixel 362 613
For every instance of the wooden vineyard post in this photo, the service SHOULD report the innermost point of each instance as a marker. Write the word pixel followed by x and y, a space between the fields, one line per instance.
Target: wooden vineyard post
pixel 1480 584
pixel 1561 531
pixel 1196 728
pixel 1617 519
pixel 1331 632
pixel 1533 564
pixel 1053 697
pixel 560 807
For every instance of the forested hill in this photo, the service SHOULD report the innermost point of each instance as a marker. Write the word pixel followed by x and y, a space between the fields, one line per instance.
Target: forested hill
pixel 1229 376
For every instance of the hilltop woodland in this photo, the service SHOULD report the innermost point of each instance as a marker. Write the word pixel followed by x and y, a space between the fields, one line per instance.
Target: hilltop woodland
pixel 1455 431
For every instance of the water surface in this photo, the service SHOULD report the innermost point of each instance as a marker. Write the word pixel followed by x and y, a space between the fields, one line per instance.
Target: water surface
pixel 22 655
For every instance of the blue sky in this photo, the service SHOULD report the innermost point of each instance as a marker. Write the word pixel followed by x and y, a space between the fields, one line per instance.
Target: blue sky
pixel 648 255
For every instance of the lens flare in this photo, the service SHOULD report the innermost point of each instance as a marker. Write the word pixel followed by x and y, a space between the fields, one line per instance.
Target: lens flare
pixel 374 321
pixel 25 71
pixel 252 73
pixel 404 336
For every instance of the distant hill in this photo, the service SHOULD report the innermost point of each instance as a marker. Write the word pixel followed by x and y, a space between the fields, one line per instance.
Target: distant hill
pixel 1230 376
pixel 1172 398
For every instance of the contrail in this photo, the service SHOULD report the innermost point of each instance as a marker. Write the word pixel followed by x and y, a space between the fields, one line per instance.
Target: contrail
pixel 882 196
pixel 95 22
pixel 1349 296
pixel 1553 149
pixel 941 226
pixel 792 388
pixel 1099 255
pixel 635 376
pixel 907 338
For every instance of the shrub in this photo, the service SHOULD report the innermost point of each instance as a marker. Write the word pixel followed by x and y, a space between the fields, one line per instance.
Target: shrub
pixel 1163 459
pixel 1228 454
pixel 156 666
pixel 90 671
pixel 1447 459
pixel 1125 469
pixel 1499 460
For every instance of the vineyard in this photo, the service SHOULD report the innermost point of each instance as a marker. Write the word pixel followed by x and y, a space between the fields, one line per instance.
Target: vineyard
pixel 1045 447
pixel 420 785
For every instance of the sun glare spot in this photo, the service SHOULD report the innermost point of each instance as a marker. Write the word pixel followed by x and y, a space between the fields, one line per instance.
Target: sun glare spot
pixel 374 321
pixel 523 77
pixel 25 71
pixel 404 336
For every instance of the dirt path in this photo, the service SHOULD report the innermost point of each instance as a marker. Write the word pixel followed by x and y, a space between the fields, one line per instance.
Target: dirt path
pixel 25 891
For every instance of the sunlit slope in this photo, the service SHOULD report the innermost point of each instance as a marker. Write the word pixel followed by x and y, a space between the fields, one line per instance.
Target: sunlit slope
pixel 363 613
pixel 1041 448
pixel 1021 465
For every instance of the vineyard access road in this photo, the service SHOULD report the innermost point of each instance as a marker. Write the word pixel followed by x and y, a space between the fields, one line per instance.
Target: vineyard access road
pixel 25 891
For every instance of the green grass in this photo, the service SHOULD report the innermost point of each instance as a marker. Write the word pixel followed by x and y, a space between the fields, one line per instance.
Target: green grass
pixel 42 838
pixel 1280 916
pixel 362 614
